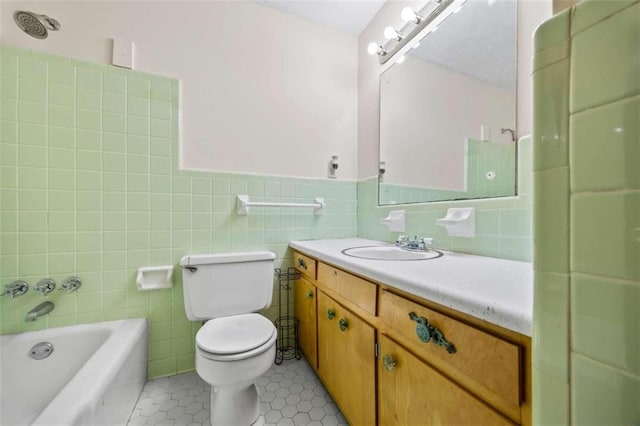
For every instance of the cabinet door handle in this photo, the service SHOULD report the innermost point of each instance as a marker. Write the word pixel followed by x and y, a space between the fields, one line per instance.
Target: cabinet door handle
pixel 343 324
pixel 331 314
pixel 309 294
pixel 302 263
pixel 427 332
pixel 389 362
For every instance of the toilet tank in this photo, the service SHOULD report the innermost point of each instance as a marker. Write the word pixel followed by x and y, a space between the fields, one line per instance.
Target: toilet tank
pixel 223 284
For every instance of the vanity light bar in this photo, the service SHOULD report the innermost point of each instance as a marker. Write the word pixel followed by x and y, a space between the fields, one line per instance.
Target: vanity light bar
pixel 419 24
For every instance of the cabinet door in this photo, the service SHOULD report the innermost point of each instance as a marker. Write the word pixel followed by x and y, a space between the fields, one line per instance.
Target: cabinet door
pixel 410 392
pixel 346 360
pixel 305 309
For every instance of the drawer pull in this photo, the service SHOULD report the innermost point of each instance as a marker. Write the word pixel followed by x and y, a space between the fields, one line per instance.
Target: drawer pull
pixel 331 314
pixel 309 294
pixel 427 332
pixel 389 362
pixel 343 324
pixel 302 264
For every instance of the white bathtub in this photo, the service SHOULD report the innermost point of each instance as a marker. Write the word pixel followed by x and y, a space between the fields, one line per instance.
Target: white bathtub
pixel 93 376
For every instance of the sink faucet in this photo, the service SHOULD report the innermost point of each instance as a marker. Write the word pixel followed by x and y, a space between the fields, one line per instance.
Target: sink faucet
pixel 417 244
pixel 42 309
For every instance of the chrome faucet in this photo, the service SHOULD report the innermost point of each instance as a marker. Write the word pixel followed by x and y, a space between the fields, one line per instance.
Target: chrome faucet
pixel 42 309
pixel 417 244
pixel 16 288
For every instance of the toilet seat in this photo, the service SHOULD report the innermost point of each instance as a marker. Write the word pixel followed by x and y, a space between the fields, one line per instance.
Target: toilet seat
pixel 235 337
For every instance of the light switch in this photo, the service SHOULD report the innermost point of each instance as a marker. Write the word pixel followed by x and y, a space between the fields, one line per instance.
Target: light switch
pixel 122 55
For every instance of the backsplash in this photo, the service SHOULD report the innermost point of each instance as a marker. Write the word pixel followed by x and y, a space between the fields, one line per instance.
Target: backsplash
pixel 503 225
pixel 90 187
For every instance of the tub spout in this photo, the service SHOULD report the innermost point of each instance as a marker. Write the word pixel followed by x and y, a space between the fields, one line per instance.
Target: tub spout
pixel 42 309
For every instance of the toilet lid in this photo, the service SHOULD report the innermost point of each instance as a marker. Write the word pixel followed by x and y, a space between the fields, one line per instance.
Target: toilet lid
pixel 234 334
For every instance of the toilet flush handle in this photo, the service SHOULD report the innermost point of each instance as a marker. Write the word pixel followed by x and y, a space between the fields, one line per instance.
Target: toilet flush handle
pixel 190 268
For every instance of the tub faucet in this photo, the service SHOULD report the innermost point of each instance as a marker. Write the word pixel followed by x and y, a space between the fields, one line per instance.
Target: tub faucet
pixel 42 309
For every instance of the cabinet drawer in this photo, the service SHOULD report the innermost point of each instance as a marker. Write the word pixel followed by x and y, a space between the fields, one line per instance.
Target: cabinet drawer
pixel 488 360
pixel 305 264
pixel 355 290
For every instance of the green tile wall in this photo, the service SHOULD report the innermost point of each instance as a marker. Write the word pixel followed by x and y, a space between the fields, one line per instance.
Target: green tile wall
pixel 90 187
pixel 587 216
pixel 503 225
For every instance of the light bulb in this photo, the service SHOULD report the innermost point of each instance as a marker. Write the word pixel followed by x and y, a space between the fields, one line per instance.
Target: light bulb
pixel 390 33
pixel 372 48
pixel 408 15
pixel 400 59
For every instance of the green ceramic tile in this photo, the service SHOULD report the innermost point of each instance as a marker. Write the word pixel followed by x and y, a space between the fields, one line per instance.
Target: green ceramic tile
pixel 113 181
pixel 88 181
pixel 160 128
pixel 160 165
pixel 32 112
pixel 601 68
pixel 551 324
pixel 138 106
pixel 161 91
pixel 138 125
pixel 88 160
pixel 137 163
pixel 61 179
pixel 551 220
pixel 114 201
pixel 113 162
pixel 61 95
pixel 113 122
pixel 61 242
pixel 32 199
pixel 552 399
pixel 89 221
pixel 114 83
pixel 162 367
pixel 34 90
pixel 590 12
pixel 137 201
pixel 88 78
pixel 137 144
pixel 138 87
pixel 88 139
pixel 32 68
pixel 32 178
pixel 62 73
pixel 32 264
pixel 114 142
pixel 160 109
pixel 62 200
pixel 605 321
pixel 88 119
pixel 602 395
pixel 9 88
pixel 551 116
pixel 113 103
pixel 9 65
pixel 607 149
pixel 9 111
pixel 137 182
pixel 62 221
pixel 608 221
pixel 88 241
pixel 515 222
pixel 32 134
pixel 9 177
pixel 61 158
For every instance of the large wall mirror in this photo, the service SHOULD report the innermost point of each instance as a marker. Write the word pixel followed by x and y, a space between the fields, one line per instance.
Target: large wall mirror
pixel 448 111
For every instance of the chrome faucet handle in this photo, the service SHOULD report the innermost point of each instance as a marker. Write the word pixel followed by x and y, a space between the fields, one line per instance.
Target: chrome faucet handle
pixel 402 240
pixel 16 288
pixel 70 284
pixel 427 241
pixel 45 286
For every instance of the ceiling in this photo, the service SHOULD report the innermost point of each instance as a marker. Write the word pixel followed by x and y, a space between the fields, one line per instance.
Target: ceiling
pixel 351 16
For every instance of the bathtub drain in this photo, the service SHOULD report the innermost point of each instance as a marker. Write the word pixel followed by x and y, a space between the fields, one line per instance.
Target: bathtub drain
pixel 41 350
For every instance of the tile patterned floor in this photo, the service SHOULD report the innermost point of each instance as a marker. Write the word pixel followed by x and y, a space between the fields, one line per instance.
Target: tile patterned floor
pixel 290 394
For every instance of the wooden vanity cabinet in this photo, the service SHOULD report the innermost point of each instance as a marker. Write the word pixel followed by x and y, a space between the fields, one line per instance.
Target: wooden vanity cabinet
pixel 380 371
pixel 410 392
pixel 305 296
pixel 346 360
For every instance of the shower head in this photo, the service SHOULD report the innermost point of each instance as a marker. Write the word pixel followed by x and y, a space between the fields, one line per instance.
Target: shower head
pixel 35 25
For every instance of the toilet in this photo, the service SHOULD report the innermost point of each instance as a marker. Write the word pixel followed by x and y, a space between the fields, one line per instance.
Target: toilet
pixel 236 345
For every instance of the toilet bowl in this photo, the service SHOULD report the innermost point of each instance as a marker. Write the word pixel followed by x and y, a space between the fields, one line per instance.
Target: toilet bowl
pixel 236 345
pixel 231 358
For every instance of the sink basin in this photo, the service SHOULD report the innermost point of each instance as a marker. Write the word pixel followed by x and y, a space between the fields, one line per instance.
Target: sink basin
pixel 390 253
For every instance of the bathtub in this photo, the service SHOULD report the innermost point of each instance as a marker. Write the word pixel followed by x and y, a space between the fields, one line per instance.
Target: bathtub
pixel 93 376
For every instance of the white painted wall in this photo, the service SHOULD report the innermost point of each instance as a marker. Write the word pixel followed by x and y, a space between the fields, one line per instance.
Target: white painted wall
pixel 263 91
pixel 530 14
pixel 427 113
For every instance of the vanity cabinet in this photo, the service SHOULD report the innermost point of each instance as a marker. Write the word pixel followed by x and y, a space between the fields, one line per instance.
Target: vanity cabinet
pixel 346 362
pixel 305 311
pixel 410 392
pixel 388 357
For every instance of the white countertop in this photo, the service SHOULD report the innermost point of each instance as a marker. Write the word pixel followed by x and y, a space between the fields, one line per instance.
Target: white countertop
pixel 499 291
